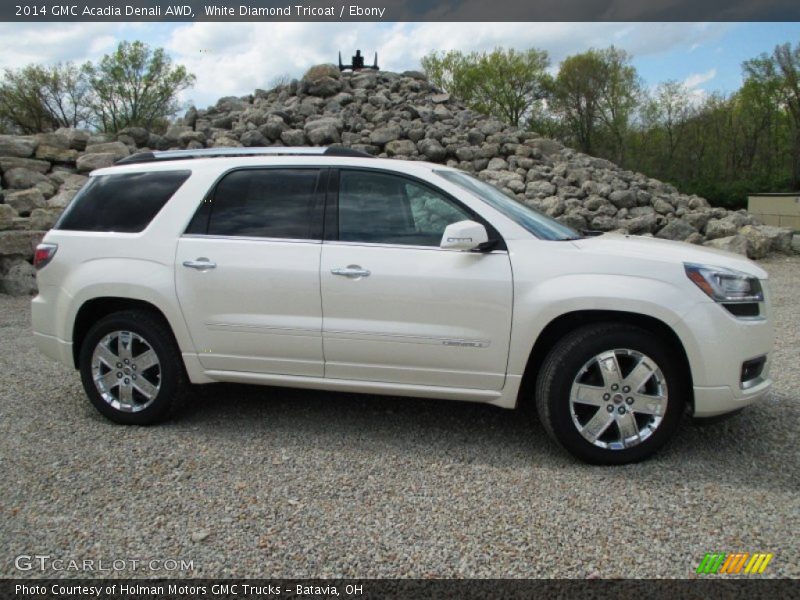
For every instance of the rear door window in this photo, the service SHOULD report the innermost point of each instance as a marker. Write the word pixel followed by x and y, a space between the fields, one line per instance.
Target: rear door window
pixel 268 203
pixel 125 203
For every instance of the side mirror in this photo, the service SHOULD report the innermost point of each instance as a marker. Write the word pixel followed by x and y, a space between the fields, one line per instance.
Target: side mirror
pixel 464 235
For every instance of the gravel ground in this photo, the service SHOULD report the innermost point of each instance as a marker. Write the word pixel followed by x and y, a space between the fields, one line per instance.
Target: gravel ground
pixel 273 482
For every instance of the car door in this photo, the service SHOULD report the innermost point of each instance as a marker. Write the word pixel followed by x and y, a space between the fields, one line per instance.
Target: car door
pixel 396 307
pixel 247 272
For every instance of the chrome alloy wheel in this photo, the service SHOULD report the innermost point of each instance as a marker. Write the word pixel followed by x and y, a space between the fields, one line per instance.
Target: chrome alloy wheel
pixel 618 399
pixel 126 371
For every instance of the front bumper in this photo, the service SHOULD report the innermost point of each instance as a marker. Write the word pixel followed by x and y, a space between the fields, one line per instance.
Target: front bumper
pixel 717 344
pixel 715 401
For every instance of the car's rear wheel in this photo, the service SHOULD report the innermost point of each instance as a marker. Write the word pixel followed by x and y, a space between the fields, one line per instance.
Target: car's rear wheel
pixel 131 368
pixel 611 393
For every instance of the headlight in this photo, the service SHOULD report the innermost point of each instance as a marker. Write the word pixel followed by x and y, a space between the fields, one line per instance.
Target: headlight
pixel 725 285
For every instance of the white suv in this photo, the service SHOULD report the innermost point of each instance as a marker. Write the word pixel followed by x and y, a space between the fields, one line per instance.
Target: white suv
pixel 329 269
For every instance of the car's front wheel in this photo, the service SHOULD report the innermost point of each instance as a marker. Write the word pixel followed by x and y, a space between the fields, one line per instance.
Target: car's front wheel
pixel 611 393
pixel 131 368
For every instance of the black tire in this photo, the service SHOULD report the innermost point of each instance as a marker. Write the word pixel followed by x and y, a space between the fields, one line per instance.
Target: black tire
pixel 168 377
pixel 566 361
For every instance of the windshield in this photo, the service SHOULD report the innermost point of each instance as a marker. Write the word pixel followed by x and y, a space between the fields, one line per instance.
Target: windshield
pixel 542 226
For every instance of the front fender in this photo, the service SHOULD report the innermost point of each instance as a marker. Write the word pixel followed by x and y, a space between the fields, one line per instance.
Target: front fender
pixel 537 304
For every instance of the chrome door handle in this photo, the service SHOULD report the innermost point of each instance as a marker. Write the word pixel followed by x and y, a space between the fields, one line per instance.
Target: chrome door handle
pixel 201 264
pixel 351 271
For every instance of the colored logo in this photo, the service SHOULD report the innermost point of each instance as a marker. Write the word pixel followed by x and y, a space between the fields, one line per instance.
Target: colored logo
pixel 739 562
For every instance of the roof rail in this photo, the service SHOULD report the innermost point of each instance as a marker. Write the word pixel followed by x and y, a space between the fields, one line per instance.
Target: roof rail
pixel 163 155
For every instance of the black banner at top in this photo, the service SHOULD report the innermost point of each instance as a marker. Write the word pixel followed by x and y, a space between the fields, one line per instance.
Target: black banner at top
pixel 399 10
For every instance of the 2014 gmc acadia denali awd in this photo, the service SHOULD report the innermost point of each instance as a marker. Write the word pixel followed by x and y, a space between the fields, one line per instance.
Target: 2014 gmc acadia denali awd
pixel 328 269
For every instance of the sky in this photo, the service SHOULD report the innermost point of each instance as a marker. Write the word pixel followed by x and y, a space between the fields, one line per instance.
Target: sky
pixel 233 59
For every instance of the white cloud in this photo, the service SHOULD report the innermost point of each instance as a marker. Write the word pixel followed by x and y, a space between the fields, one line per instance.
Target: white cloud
pixel 697 95
pixel 24 43
pixel 236 58
pixel 697 79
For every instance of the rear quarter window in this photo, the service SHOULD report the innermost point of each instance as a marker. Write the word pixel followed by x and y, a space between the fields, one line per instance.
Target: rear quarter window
pixel 124 203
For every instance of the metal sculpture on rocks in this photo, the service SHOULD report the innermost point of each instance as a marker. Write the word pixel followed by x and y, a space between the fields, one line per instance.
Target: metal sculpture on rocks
pixel 357 63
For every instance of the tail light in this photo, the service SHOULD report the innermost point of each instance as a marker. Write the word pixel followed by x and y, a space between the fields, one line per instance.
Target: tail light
pixel 44 254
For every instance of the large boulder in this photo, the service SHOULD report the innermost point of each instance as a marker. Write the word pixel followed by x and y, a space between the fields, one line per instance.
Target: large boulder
pixel 367 80
pixel 539 189
pixel 25 201
pixel 117 149
pixel 432 150
pixel 720 228
pixel 325 130
pixel 7 216
pixel 71 181
pixel 546 146
pixel 19 146
pixel 62 199
pixel 732 243
pixel 274 127
pixel 171 137
pixel 17 278
pixel 401 148
pixel 603 223
pixel 639 225
pixel 19 243
pixel 228 104
pixel 322 71
pixel 622 198
pixel 777 239
pixel 293 137
pixel 74 138
pixel 190 138
pixel 676 230
pixel 254 138
pixel 698 220
pixel 44 218
pixel 10 162
pixel 758 244
pixel 141 136
pixel 324 87
pixel 56 154
pixel 95 160
pixel 383 135
pixel 20 178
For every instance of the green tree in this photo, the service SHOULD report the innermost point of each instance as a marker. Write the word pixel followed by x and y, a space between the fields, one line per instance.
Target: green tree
pixel 663 118
pixel 780 72
pixel 136 86
pixel 575 96
pixel 42 98
pixel 505 83
pixel 596 93
pixel 620 95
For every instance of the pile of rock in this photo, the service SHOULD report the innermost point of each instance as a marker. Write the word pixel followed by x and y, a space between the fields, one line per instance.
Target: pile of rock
pixel 385 114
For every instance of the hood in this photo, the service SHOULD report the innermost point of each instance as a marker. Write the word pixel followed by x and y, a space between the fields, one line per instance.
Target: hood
pixel 647 248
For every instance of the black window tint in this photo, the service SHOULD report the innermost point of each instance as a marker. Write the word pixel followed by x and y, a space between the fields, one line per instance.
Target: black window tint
pixel 199 223
pixel 276 203
pixel 384 208
pixel 125 203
